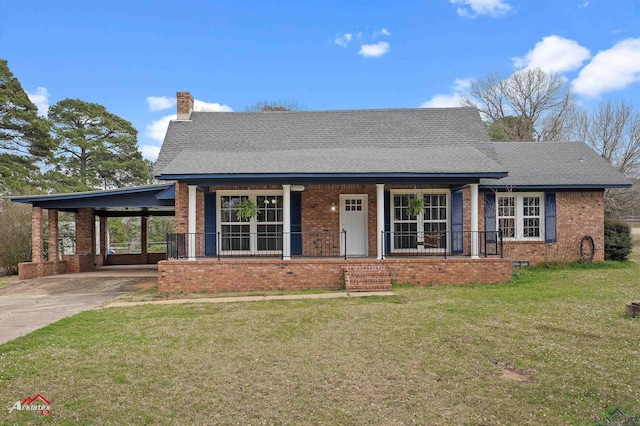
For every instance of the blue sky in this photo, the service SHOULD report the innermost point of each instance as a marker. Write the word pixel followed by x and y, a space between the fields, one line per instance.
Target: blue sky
pixel 133 56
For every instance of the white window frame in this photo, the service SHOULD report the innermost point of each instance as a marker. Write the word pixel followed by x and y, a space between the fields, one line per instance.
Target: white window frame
pixel 519 211
pixel 253 222
pixel 420 193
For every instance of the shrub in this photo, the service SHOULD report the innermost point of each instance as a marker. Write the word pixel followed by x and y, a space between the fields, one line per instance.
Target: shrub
pixel 617 240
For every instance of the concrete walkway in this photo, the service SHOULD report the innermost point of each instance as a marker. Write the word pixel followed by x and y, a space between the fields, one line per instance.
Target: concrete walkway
pixel 230 299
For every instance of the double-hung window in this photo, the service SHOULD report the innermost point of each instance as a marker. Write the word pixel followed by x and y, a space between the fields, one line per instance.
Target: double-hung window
pixel 261 234
pixel 424 232
pixel 520 216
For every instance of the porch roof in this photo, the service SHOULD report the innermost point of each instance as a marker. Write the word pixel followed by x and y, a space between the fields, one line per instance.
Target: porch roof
pixel 150 200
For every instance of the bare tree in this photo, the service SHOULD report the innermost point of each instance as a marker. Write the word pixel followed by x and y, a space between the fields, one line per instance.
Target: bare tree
pixel 529 105
pixel 613 130
pixel 271 106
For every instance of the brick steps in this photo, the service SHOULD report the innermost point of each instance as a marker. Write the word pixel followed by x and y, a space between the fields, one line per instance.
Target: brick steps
pixel 366 277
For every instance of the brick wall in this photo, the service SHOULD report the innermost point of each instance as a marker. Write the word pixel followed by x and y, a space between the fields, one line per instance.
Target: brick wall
pixel 327 274
pixel 29 270
pixel 182 208
pixel 578 213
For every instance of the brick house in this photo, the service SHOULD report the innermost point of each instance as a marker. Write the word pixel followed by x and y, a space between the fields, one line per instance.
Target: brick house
pixel 334 192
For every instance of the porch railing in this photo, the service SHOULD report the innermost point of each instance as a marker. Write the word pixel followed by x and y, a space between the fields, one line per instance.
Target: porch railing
pixel 442 243
pixel 256 244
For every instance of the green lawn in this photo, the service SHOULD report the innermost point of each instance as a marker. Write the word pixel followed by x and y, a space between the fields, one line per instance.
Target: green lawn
pixel 553 347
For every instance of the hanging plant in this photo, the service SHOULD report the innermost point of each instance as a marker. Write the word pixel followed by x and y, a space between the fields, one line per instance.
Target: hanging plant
pixel 247 209
pixel 415 207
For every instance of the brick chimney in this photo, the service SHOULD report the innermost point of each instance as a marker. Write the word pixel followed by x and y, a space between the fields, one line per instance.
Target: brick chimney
pixel 185 105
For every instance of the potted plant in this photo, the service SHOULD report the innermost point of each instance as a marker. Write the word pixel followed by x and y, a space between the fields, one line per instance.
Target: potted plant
pixel 415 207
pixel 247 209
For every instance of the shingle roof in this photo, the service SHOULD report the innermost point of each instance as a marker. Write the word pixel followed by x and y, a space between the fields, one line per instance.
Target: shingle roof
pixel 559 164
pixel 436 140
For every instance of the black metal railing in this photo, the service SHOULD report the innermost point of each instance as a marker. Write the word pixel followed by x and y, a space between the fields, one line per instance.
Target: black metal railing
pixel 257 244
pixel 442 243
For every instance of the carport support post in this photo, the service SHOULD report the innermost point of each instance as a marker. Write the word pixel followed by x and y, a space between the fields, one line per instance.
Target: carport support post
pixel 104 251
pixel 144 236
pixel 53 237
pixel 37 234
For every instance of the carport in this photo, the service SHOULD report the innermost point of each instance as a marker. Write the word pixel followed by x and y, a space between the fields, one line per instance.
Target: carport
pixel 142 201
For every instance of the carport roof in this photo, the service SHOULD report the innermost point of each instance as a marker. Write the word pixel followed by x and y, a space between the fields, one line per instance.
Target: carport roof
pixel 150 200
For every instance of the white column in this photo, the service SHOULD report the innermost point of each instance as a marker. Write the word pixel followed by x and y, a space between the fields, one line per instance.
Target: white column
pixel 474 220
pixel 286 222
pixel 192 222
pixel 380 218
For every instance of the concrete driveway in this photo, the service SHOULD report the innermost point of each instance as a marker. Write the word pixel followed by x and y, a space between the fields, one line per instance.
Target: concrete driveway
pixel 28 305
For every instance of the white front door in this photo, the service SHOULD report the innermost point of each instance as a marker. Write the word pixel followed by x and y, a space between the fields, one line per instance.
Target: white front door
pixel 353 220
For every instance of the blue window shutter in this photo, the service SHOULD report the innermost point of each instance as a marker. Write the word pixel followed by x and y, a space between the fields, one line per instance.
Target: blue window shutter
pixel 457 236
pixel 210 224
pixel 387 222
pixel 490 217
pixel 550 217
pixel 296 224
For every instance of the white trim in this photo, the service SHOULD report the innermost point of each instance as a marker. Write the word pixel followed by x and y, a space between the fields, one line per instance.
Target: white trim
pixel 380 219
pixel 519 222
pixel 474 220
pixel 420 219
pixel 286 222
pixel 365 208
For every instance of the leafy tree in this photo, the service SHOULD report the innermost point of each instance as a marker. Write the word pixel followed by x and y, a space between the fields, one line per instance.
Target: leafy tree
pixel 24 136
pixel 95 148
pixel 15 235
pixel 274 106
pixel 529 105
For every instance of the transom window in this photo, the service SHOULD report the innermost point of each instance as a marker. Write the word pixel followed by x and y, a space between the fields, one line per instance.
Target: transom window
pixel 425 231
pixel 259 234
pixel 520 216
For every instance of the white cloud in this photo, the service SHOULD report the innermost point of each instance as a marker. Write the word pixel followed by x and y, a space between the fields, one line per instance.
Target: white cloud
pixel 150 151
pixel 203 106
pixel 41 99
pixel 449 101
pixel 554 54
pixel 583 5
pixel 374 50
pixel 382 32
pixel 158 128
pixel 610 69
pixel 344 40
pixel 158 103
pixel 473 8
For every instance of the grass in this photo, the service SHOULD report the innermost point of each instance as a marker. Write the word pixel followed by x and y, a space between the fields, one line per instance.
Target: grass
pixel 552 347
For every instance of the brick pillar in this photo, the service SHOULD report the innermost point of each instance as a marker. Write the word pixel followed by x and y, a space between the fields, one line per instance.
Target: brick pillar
pixel 182 208
pixel 144 235
pixel 53 235
pixel 103 239
pixel 85 239
pixel 37 235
